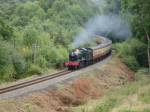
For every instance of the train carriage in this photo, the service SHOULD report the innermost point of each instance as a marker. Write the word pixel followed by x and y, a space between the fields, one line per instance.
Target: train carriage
pixel 101 52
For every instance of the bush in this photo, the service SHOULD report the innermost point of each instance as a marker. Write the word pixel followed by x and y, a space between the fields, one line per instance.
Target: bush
pixel 6 65
pixel 19 64
pixel 6 73
pixel 12 64
pixel 133 53
pixel 56 56
pixel 131 62
pixel 41 62
pixel 34 69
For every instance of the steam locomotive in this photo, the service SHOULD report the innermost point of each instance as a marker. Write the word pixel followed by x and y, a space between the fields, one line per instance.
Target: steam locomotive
pixel 82 57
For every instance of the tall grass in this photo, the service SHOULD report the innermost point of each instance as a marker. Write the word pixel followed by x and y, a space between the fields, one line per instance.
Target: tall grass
pixel 141 87
pixel 114 98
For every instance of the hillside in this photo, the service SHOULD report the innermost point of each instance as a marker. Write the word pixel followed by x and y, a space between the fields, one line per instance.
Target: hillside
pixel 35 34
pixel 131 97
pixel 94 85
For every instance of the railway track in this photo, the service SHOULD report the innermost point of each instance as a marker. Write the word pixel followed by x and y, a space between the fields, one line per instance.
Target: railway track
pixel 44 78
pixel 34 81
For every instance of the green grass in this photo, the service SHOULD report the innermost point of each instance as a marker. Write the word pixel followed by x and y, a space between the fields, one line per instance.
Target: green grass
pixel 107 105
pixel 144 94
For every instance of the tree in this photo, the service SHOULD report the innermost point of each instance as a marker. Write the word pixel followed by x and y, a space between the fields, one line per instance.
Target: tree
pixel 140 20
pixel 31 36
pixel 5 31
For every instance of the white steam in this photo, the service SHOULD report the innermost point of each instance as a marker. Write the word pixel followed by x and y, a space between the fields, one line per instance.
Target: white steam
pixel 103 25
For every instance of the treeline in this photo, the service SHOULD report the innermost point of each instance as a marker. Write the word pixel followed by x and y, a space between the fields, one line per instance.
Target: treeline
pixel 35 34
pixel 135 50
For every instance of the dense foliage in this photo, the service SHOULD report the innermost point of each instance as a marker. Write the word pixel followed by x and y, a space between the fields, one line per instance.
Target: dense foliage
pixel 134 51
pixel 35 34
pixel 137 12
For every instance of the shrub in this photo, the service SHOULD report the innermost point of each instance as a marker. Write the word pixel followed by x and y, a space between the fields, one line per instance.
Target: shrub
pixel 41 62
pixel 6 65
pixel 133 53
pixel 18 64
pixel 6 73
pixel 131 62
pixel 34 69
pixel 56 56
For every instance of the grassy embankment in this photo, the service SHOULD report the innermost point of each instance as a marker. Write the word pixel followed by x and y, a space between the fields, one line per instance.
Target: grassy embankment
pixel 133 97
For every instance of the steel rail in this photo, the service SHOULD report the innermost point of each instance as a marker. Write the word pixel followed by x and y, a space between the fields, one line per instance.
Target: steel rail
pixel 34 81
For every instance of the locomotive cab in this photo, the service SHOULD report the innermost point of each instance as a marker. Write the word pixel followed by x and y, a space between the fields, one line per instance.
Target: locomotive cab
pixel 73 56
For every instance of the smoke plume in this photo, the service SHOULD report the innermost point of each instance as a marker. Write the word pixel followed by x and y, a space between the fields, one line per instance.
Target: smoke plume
pixel 103 25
